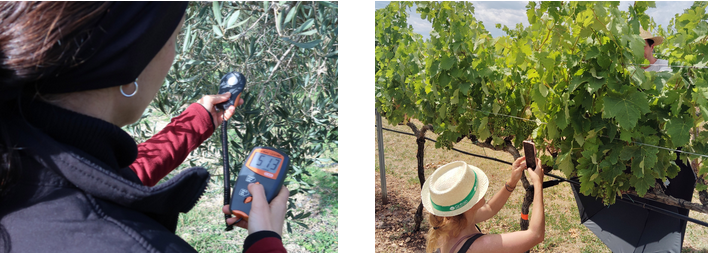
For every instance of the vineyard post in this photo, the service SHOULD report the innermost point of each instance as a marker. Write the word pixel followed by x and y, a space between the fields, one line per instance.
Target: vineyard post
pixel 420 140
pixel 382 163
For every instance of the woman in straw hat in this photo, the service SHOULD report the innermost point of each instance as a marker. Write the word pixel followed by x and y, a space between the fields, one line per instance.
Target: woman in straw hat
pixel 454 197
pixel 651 41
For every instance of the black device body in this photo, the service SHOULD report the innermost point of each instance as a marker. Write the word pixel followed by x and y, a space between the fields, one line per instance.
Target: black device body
pixel 234 83
pixel 530 154
pixel 264 165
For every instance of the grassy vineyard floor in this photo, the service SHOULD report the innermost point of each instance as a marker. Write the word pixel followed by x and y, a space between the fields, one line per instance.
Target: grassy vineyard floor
pixel 564 233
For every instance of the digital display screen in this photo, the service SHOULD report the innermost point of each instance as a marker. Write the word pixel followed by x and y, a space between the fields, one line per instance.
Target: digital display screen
pixel 265 162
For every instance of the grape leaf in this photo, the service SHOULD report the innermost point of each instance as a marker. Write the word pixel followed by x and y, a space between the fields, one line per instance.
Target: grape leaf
pixel 566 164
pixel 447 62
pixel 595 84
pixel 593 52
pixel 611 171
pixel 626 109
pixel 642 184
pixel 465 87
pixel 604 61
pixel 679 129
pixel 577 81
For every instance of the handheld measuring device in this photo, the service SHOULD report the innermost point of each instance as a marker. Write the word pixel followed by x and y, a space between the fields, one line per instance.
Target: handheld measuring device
pixel 234 83
pixel 264 165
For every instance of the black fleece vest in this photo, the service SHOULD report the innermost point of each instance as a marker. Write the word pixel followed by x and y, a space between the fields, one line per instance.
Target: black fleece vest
pixel 67 200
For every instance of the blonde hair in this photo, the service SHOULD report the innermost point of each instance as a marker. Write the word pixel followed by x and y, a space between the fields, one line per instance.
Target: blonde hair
pixel 444 227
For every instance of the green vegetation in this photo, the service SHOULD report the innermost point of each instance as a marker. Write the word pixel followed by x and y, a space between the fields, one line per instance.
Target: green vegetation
pixel 574 72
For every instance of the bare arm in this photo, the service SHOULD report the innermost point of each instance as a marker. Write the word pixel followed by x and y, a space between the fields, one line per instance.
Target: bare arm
pixel 519 241
pixel 492 207
pixel 495 204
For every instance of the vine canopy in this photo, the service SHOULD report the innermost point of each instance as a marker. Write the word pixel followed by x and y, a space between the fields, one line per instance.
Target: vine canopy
pixel 572 81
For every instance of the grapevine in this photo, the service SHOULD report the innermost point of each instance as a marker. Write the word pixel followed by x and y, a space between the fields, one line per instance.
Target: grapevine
pixel 572 81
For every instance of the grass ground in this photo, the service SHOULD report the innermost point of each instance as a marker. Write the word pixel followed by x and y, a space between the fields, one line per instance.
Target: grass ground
pixel 203 226
pixel 564 232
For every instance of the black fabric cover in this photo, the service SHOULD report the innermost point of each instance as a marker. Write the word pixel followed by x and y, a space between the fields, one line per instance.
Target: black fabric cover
pixel 678 187
pixel 120 47
pixel 624 227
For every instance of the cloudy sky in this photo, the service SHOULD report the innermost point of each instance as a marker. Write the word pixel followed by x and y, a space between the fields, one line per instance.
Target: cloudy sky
pixel 511 13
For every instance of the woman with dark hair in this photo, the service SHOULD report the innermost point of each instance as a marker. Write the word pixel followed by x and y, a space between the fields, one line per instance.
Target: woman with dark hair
pixel 72 74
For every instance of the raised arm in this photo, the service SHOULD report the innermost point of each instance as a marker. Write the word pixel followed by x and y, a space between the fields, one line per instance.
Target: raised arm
pixel 495 204
pixel 519 241
pixel 166 150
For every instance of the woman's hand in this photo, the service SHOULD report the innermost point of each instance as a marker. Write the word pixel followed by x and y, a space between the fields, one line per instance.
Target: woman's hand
pixel 517 168
pixel 209 101
pixel 536 175
pixel 263 216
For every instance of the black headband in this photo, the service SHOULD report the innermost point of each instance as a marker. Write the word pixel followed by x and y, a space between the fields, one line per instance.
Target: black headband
pixel 119 47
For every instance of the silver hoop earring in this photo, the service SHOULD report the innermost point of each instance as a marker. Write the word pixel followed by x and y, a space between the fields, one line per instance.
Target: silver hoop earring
pixel 134 92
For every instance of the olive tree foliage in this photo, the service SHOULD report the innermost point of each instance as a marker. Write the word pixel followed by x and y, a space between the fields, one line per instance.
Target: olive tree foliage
pixel 288 52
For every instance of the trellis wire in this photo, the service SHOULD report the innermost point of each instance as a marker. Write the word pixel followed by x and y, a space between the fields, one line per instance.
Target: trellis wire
pixel 635 142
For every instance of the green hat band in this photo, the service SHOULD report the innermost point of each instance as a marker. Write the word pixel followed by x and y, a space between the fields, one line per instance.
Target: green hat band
pixel 459 204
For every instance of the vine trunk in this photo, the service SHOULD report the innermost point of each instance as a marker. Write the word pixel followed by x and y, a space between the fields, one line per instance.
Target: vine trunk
pixel 420 140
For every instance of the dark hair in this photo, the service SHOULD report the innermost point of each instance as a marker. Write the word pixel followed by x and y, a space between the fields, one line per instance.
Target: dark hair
pixel 650 42
pixel 37 39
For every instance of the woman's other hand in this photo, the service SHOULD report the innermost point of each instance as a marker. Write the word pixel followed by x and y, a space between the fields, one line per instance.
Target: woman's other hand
pixel 517 168
pixel 209 102
pixel 536 175
pixel 263 216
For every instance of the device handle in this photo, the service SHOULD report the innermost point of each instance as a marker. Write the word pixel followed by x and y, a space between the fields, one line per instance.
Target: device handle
pixel 227 177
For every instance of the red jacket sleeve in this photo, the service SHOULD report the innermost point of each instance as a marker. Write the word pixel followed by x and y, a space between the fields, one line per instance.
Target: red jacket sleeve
pixel 167 149
pixel 263 242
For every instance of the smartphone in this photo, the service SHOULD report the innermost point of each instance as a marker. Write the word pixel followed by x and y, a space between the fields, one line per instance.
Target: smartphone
pixel 530 153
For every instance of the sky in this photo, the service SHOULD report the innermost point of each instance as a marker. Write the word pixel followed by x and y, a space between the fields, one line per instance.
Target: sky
pixel 510 13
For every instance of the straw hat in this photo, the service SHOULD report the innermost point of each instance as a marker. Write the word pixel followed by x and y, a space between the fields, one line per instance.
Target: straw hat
pixel 647 36
pixel 453 189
